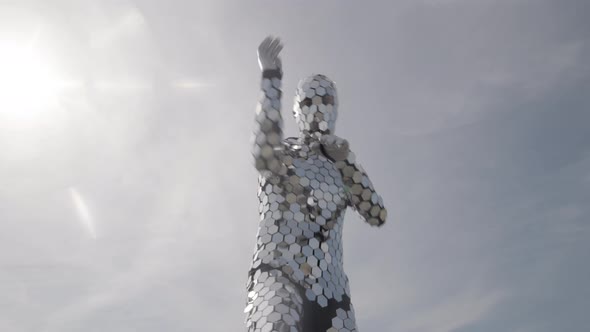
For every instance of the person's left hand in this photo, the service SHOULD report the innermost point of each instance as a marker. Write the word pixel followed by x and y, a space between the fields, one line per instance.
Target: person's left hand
pixel 335 147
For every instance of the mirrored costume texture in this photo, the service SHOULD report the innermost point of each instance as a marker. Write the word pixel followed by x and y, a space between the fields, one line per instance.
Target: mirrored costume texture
pixel 296 281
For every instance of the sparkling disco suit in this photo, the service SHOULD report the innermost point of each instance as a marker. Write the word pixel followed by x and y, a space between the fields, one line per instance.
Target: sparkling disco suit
pixel 296 281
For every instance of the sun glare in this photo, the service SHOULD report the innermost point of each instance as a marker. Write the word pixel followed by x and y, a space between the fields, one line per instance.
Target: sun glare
pixel 28 84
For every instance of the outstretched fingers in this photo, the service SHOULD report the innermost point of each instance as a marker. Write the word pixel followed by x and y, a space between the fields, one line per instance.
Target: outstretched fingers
pixel 265 45
pixel 275 47
pixel 268 52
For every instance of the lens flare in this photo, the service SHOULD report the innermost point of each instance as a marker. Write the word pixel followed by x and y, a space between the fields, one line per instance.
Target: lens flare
pixel 83 212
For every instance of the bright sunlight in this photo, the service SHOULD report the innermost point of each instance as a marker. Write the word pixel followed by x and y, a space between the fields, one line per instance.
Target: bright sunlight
pixel 28 84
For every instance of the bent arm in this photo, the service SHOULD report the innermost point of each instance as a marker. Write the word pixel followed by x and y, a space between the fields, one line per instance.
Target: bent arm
pixel 268 132
pixel 363 197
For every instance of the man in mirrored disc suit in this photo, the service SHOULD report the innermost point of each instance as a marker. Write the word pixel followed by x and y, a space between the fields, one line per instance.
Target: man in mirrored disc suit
pixel 296 281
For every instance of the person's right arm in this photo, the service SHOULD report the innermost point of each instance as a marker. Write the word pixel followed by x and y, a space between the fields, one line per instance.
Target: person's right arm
pixel 268 132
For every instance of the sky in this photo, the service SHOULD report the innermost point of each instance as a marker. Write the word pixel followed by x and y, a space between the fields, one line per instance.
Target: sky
pixel 128 195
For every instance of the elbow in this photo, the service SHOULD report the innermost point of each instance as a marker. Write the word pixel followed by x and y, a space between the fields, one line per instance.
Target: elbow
pixel 370 209
pixel 262 153
pixel 377 215
pixel 268 164
pixel 259 164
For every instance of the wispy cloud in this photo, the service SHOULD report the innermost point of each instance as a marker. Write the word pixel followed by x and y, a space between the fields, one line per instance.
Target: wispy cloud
pixel 456 311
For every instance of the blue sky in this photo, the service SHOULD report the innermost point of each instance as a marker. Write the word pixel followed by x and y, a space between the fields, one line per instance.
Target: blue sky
pixel 471 117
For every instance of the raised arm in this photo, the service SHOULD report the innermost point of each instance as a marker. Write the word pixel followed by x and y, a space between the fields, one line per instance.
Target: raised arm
pixel 268 132
pixel 363 197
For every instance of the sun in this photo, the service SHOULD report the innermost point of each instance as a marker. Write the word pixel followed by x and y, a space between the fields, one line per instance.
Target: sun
pixel 28 83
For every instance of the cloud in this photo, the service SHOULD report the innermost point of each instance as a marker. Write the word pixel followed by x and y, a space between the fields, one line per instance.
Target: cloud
pixel 456 311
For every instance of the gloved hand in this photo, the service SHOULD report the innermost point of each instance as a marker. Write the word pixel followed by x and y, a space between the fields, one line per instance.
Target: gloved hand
pixel 335 147
pixel 268 53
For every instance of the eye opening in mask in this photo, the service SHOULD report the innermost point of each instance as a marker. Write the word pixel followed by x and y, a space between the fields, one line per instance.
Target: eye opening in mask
pixel 305 102
pixel 326 100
